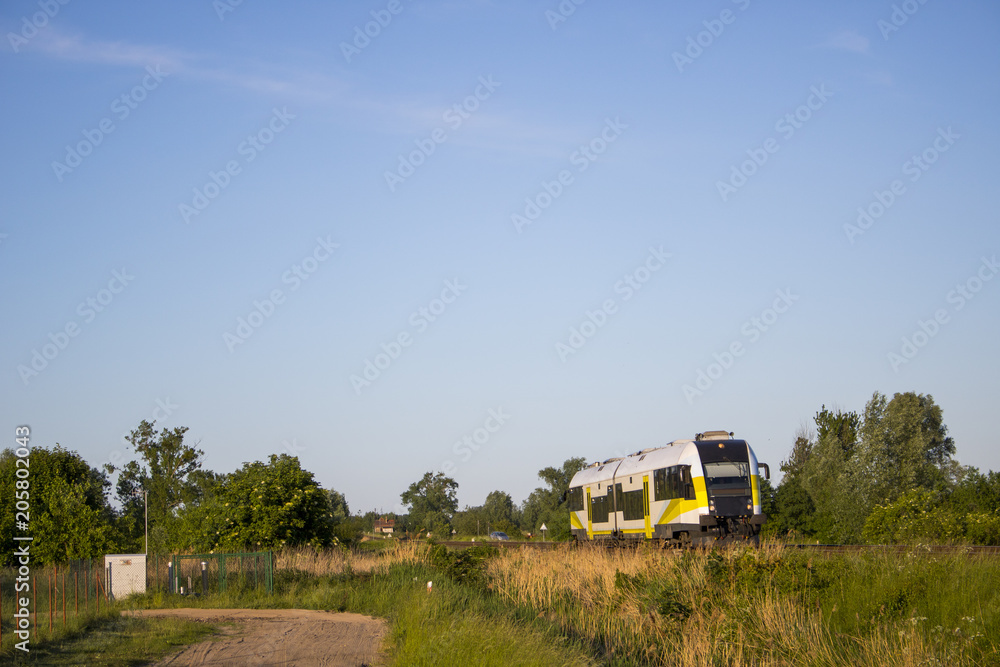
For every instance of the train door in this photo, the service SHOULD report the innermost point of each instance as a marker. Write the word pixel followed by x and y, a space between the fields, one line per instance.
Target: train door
pixel 590 517
pixel 618 506
pixel 645 505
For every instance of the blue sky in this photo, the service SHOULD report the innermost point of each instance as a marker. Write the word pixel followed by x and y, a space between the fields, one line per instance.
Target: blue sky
pixel 697 168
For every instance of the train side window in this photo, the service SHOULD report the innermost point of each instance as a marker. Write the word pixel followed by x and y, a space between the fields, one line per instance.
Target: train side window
pixel 688 482
pixel 672 485
pixel 575 497
pixel 632 505
pixel 660 484
pixel 599 509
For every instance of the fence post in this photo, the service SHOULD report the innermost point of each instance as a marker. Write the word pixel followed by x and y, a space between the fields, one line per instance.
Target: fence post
pixel 50 602
pixel 170 577
pixel 76 592
pixel 223 578
pixel 204 578
pixel 270 572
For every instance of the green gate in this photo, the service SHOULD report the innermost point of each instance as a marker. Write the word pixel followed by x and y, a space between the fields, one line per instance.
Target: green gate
pixel 204 574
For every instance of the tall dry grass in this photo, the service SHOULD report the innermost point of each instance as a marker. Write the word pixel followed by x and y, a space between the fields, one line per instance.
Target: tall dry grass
pixel 343 561
pixel 665 608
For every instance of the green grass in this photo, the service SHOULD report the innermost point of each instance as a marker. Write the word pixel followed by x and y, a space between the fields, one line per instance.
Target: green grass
pixel 638 607
pixel 114 641
pixel 455 624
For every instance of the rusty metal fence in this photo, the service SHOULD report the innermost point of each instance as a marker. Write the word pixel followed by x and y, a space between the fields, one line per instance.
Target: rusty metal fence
pixel 58 596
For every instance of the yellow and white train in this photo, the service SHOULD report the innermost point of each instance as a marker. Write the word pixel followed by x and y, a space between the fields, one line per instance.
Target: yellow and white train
pixel 696 491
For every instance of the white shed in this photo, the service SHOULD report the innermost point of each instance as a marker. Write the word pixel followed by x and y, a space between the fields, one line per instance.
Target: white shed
pixel 125 574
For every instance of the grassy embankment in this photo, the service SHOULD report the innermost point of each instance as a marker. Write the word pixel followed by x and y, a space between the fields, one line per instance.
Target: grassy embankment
pixel 643 607
pixel 769 606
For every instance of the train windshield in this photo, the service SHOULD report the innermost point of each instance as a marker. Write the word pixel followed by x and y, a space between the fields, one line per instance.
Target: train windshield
pixel 727 478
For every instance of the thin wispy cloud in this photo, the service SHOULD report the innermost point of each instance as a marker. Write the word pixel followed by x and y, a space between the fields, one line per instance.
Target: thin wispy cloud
pixel 848 40
pixel 399 116
pixel 74 48
pixel 267 79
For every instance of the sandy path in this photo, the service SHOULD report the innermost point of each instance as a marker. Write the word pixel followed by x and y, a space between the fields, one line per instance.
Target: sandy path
pixel 280 637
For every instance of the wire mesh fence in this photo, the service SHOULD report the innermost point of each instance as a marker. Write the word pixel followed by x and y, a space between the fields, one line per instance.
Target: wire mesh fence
pixel 58 597
pixel 204 574
pixel 64 596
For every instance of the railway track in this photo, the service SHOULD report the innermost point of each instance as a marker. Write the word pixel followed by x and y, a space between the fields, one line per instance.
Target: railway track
pixel 821 548
pixel 503 544
pixel 929 549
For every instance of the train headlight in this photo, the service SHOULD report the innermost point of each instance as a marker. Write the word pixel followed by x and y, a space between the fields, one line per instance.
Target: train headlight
pixel 750 506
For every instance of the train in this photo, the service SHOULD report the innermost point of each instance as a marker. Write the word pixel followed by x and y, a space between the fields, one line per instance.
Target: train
pixel 696 492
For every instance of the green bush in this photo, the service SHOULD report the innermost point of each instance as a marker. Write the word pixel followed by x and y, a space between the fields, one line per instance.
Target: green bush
pixel 465 565
pixel 918 516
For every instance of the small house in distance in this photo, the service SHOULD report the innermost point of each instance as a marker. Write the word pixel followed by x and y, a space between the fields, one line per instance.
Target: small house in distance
pixel 385 526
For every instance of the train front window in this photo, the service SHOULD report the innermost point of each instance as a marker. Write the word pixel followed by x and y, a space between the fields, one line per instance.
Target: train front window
pixel 727 478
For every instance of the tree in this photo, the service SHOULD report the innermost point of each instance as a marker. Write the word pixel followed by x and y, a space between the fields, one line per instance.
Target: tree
pixel 470 521
pixel 339 511
pixel 168 473
pixel 793 508
pixel 499 508
pixel 548 505
pixel 829 476
pixel 69 512
pixel 859 463
pixel 266 506
pixel 432 502
pixel 904 446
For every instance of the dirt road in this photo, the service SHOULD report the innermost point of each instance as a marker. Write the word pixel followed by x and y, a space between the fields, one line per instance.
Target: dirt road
pixel 280 637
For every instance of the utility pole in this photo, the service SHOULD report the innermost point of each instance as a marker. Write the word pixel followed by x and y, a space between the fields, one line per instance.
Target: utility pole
pixel 145 502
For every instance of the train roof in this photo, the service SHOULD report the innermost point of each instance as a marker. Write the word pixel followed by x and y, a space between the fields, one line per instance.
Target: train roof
pixel 673 453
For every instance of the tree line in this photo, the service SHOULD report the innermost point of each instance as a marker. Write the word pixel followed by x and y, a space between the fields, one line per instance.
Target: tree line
pixel 432 505
pixel 262 505
pixel 885 475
